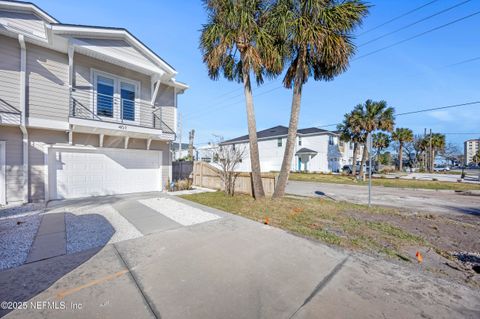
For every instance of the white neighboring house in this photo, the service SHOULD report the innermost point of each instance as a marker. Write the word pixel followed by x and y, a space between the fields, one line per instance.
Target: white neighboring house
pixel 316 150
pixel 180 152
pixel 206 153
pixel 84 110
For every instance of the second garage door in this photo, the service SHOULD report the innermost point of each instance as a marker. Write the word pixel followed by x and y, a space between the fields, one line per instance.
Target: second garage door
pixel 75 173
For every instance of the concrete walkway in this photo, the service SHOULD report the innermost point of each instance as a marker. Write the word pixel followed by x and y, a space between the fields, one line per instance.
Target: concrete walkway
pixel 51 238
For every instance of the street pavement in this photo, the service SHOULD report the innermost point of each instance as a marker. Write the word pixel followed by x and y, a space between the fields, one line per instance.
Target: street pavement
pixel 415 200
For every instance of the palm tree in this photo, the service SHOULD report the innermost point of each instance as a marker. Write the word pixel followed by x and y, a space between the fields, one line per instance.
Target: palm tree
pixel 402 136
pixel 236 41
pixel 380 141
pixel 316 36
pixel 351 130
pixel 438 144
pixel 374 116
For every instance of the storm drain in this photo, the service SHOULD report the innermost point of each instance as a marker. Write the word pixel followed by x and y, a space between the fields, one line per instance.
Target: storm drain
pixel 469 259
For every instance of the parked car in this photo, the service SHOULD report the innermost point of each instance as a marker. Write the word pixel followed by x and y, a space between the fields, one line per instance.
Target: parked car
pixel 349 169
pixel 441 168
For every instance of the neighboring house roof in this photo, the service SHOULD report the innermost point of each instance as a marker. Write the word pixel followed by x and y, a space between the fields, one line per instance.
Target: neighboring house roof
pixel 305 151
pixel 176 146
pixel 278 131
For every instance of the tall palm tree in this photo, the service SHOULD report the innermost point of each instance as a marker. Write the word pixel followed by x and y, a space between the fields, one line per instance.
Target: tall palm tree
pixel 381 141
pixel 317 39
pixel 402 136
pixel 236 42
pixel 374 116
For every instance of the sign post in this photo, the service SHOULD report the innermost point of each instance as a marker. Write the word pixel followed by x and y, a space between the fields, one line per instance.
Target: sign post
pixel 369 147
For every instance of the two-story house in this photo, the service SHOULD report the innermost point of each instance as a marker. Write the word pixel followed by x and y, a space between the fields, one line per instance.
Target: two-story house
pixel 84 110
pixel 316 150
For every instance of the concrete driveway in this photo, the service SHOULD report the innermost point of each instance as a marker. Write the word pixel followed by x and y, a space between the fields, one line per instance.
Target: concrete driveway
pixel 210 264
pixel 416 200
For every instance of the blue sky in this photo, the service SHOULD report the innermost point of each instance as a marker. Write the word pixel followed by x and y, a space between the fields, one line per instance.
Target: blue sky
pixel 414 75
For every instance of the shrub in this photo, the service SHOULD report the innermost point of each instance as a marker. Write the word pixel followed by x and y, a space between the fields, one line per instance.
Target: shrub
pixel 180 185
pixel 435 179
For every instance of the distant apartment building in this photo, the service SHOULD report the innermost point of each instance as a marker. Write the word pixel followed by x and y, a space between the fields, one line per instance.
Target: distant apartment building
pixel 471 148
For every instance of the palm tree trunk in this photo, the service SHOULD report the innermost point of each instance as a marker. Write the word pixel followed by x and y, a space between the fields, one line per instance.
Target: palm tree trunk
pixel 432 164
pixel 354 162
pixel 400 157
pixel 252 136
pixel 364 160
pixel 292 133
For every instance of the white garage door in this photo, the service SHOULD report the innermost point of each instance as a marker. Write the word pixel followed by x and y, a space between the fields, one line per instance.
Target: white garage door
pixel 77 173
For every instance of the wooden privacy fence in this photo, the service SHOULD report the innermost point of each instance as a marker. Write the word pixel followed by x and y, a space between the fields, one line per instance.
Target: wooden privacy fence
pixel 181 169
pixel 206 175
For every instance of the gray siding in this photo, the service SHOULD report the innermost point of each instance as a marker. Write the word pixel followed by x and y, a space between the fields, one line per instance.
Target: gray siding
pixel 119 48
pixel 166 100
pixel 38 138
pixel 14 162
pixel 9 74
pixel 47 78
pixel 27 23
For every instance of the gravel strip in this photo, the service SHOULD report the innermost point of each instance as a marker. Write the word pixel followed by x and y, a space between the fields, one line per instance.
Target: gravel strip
pixel 183 214
pixel 96 227
pixel 16 237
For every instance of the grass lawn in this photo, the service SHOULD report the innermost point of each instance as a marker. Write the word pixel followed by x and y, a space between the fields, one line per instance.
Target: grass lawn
pixel 386 182
pixel 337 223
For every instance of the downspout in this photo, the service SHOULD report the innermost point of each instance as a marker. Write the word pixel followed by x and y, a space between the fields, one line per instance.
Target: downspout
pixel 23 108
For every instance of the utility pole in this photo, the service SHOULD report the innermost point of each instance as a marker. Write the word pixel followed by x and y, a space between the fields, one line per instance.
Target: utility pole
pixel 179 130
pixel 424 162
pixel 191 136
pixel 369 145
pixel 430 159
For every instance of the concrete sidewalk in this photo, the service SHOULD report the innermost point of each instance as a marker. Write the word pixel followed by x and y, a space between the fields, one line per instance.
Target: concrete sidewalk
pixel 232 268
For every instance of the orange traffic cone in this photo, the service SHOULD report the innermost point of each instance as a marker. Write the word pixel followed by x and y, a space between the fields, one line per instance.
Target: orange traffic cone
pixel 267 221
pixel 419 257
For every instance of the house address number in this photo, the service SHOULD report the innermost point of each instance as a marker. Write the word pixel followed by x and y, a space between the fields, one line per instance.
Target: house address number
pixel 122 127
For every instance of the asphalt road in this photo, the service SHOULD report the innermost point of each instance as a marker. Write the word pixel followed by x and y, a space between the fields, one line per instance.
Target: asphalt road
pixel 442 201
pixel 230 267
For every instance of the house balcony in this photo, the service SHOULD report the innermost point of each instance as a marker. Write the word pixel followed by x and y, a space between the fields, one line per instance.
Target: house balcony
pixel 93 112
pixel 9 115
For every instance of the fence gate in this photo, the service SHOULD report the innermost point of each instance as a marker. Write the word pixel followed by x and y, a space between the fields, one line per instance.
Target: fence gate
pixel 181 169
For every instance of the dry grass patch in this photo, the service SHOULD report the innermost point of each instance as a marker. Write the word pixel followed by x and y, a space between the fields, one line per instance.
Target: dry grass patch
pixel 385 182
pixel 337 223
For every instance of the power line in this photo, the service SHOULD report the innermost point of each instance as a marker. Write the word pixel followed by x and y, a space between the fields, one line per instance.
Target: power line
pixel 397 17
pixel 421 111
pixel 463 62
pixel 418 35
pixel 231 104
pixel 414 23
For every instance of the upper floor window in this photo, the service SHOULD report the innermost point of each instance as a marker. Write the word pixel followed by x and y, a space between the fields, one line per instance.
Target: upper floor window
pixel 105 92
pixel 299 141
pixel 331 140
pixel 279 142
pixel 115 97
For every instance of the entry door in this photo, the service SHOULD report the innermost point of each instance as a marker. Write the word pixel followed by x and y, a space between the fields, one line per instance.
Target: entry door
pixel 75 173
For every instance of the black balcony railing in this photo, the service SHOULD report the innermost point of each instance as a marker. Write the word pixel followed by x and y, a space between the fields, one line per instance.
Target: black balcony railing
pixel 86 104
pixel 9 114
